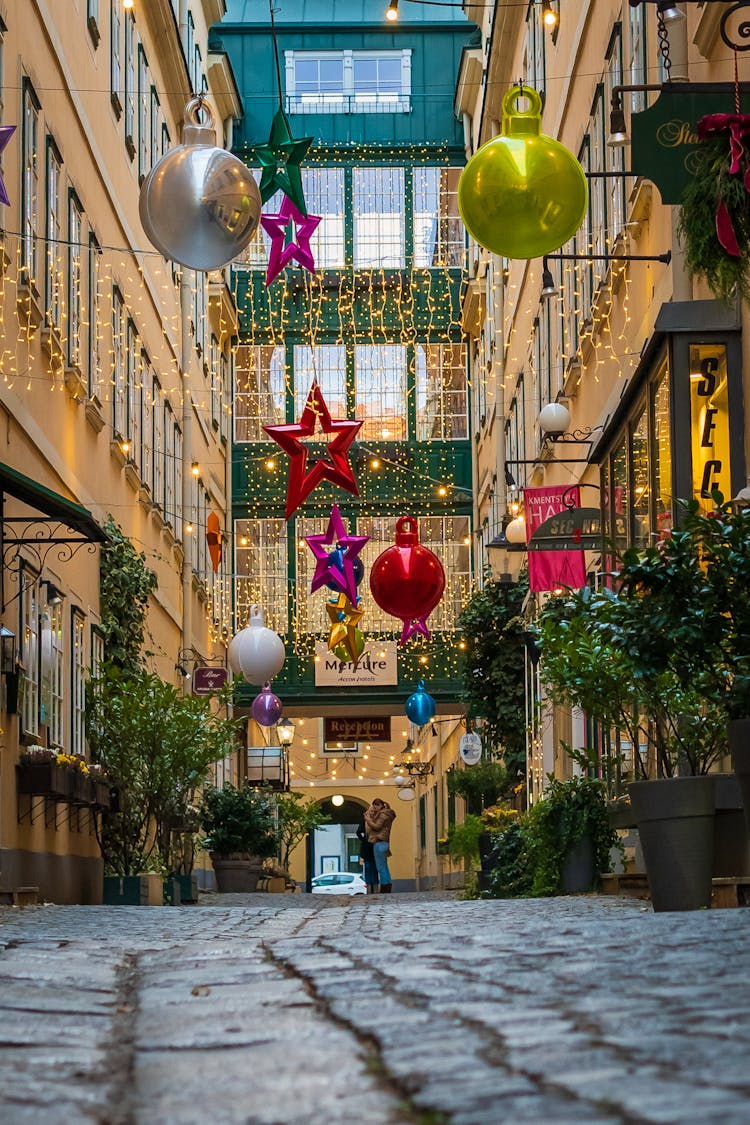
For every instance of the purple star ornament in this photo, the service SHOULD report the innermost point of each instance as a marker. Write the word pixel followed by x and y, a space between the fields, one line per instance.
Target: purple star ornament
pixel 348 548
pixel 6 132
pixel 289 222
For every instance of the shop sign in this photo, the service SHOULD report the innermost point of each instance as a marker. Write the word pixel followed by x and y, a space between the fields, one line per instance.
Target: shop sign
pixel 550 569
pixel 470 747
pixel 358 730
pixel 664 138
pixel 377 667
pixel 206 681
pixel 709 422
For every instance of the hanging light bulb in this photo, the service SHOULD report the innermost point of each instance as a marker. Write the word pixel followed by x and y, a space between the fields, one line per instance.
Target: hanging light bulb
pixel 550 17
pixel 392 12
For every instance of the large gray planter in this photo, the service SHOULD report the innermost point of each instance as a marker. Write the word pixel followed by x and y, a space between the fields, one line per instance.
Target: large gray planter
pixel 675 818
pixel 578 873
pixel 731 846
pixel 236 876
pixel 739 747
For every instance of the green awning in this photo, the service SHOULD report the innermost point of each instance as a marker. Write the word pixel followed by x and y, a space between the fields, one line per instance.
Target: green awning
pixel 50 504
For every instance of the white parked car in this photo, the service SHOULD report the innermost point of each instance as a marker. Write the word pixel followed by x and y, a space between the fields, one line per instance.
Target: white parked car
pixel 339 883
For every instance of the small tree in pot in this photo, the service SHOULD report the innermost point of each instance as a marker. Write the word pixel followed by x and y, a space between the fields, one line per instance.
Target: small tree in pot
pixel 241 831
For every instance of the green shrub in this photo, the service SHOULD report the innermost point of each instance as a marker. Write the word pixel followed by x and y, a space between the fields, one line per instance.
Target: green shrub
pixel 238 822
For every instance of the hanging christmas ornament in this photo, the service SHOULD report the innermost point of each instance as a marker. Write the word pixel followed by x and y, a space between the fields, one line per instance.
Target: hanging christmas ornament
pixel 351 652
pixel 344 618
pixel 280 159
pixel 290 233
pixel 256 653
pixel 337 569
pixel 199 204
pixel 407 580
pixel 267 707
pixel 290 438
pixel 214 541
pixel 522 194
pixel 6 132
pixel 420 706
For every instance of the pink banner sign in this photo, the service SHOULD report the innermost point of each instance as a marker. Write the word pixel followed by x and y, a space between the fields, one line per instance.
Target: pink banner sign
pixel 549 570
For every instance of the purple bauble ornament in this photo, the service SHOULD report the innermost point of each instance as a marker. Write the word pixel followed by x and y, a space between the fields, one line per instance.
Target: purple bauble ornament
pixel 267 707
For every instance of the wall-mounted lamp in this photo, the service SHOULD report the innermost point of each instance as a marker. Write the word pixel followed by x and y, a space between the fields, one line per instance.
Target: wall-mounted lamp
pixel 285 732
pixel 7 651
pixel 52 595
pixel 618 128
pixel 549 289
pixel 185 672
pixel 195 469
pixel 550 16
pixel 667 9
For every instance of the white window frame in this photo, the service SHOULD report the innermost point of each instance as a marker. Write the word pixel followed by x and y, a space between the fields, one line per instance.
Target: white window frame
pixel 130 71
pixel 56 675
pixel 168 464
pixel 157 410
pixel 77 683
pixel 119 367
pixel 29 634
pixel 144 112
pixel 30 193
pixel 75 279
pixel 92 312
pixel 147 431
pixel 348 101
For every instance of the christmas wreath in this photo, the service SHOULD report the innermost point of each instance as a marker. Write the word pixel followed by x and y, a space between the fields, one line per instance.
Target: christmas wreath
pixel 715 212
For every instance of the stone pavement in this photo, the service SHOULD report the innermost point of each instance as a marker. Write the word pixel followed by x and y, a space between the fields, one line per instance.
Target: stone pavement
pixel 408 1010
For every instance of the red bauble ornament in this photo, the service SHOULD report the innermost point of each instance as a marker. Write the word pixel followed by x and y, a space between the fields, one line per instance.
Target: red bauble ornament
pixel 408 580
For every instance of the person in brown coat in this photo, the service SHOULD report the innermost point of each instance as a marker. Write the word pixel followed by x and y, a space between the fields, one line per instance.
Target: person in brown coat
pixel 378 820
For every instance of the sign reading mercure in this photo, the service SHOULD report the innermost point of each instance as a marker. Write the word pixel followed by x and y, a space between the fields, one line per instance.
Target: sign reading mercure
pixel 664 137
pixel 357 730
pixel 377 667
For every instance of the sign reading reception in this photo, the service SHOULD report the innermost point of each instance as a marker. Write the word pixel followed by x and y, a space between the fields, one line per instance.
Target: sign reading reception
pixel 377 667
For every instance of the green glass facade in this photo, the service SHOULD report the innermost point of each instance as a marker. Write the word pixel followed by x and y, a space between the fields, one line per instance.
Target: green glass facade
pixel 378 324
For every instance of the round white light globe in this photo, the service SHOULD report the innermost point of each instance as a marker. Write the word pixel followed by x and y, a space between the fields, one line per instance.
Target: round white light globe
pixel 515 532
pixel 337 800
pixel 554 418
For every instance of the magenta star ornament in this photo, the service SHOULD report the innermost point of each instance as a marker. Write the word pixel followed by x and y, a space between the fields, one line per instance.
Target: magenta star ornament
pixel 6 132
pixel 290 233
pixel 327 567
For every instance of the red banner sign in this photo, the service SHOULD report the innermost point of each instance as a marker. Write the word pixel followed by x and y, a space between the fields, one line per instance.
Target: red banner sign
pixel 549 570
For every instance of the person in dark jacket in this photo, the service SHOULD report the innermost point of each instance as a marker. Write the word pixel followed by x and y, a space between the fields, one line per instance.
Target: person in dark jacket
pixel 367 859
pixel 378 820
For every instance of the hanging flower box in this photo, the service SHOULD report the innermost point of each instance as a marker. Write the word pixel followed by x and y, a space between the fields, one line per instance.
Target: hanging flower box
pixel 47 779
pixel 101 795
pixel 83 789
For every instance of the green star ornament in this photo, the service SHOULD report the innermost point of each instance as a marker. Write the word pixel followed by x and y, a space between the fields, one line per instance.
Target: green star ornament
pixel 280 159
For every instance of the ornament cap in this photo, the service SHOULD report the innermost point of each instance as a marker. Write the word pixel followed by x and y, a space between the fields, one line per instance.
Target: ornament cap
pixel 407 532
pixel 194 132
pixel 522 122
pixel 257 619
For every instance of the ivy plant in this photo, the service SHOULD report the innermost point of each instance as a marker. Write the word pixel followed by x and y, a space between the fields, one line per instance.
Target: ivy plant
pixel 492 628
pixel 480 785
pixel 125 583
pixel 568 811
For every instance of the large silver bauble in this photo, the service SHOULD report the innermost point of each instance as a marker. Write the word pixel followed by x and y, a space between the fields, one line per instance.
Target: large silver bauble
pixel 199 204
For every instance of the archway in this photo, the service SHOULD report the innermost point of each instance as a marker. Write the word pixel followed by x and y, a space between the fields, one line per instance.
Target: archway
pixel 335 846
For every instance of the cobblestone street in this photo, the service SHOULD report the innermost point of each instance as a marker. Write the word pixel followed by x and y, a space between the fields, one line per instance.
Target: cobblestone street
pixel 284 1010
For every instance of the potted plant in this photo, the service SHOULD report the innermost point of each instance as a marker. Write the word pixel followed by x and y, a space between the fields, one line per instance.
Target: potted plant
pixel 241 832
pixel 297 818
pixel 664 656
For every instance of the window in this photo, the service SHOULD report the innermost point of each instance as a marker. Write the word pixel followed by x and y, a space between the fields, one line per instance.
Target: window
pixel 441 392
pixel 214 379
pixel 157 412
pixel 637 65
pixel 259 390
pixel 53 668
pixel 168 464
pixel 30 186
pixel 130 83
pixel 324 195
pixel 115 55
pixel 380 377
pixel 75 279
pixel 78 684
pixel 438 230
pixel 197 69
pixel 379 228
pixel 178 470
pixel 92 19
pixel 29 634
pixel 614 156
pixel 348 81
pixel 327 365
pixel 534 60
pixel 54 272
pixel 144 113
pixel 261 569
pixel 190 47
pixel 165 142
pixel 583 241
pixel 135 404
pixel 93 311
pixel 147 430
pixel 450 538
pixel 97 652
pixel 225 363
pixel 119 369
pixel 597 185
pixel 154 131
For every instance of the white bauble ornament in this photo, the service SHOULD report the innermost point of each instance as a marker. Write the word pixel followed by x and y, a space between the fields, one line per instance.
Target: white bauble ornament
pixel 256 653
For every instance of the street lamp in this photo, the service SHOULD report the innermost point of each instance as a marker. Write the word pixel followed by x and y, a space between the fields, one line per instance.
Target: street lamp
pixel 285 732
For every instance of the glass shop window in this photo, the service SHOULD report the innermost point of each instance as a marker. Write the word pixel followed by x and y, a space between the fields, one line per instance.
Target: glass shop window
pixel 380 380
pixel 639 460
pixel 662 456
pixel 709 422
pixel 261 571
pixel 379 227
pixel 259 390
pixel 326 365
pixel 29 636
pixel 441 392
pixel 438 231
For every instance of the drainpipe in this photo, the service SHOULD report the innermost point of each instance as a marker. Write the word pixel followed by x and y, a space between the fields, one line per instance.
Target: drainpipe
pixel 467 135
pixel 188 541
pixel 682 284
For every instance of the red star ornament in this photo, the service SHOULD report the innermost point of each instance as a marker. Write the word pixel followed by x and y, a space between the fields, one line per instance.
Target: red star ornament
pixel 337 470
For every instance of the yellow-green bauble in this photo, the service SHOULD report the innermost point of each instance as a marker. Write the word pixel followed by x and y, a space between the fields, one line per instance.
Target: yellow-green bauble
pixel 345 651
pixel 522 194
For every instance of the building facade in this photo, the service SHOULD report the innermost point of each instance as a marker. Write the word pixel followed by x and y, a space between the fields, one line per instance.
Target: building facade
pixel 115 389
pixel 378 327
pixel 652 369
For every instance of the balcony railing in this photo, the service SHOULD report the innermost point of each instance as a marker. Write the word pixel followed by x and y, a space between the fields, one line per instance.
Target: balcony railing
pixel 348 103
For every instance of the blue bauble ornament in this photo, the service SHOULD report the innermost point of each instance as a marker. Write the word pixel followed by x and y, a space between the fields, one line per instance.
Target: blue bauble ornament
pixel 420 706
pixel 336 559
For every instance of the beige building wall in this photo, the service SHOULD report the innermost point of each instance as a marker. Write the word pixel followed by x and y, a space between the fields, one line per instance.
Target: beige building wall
pixel 115 368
